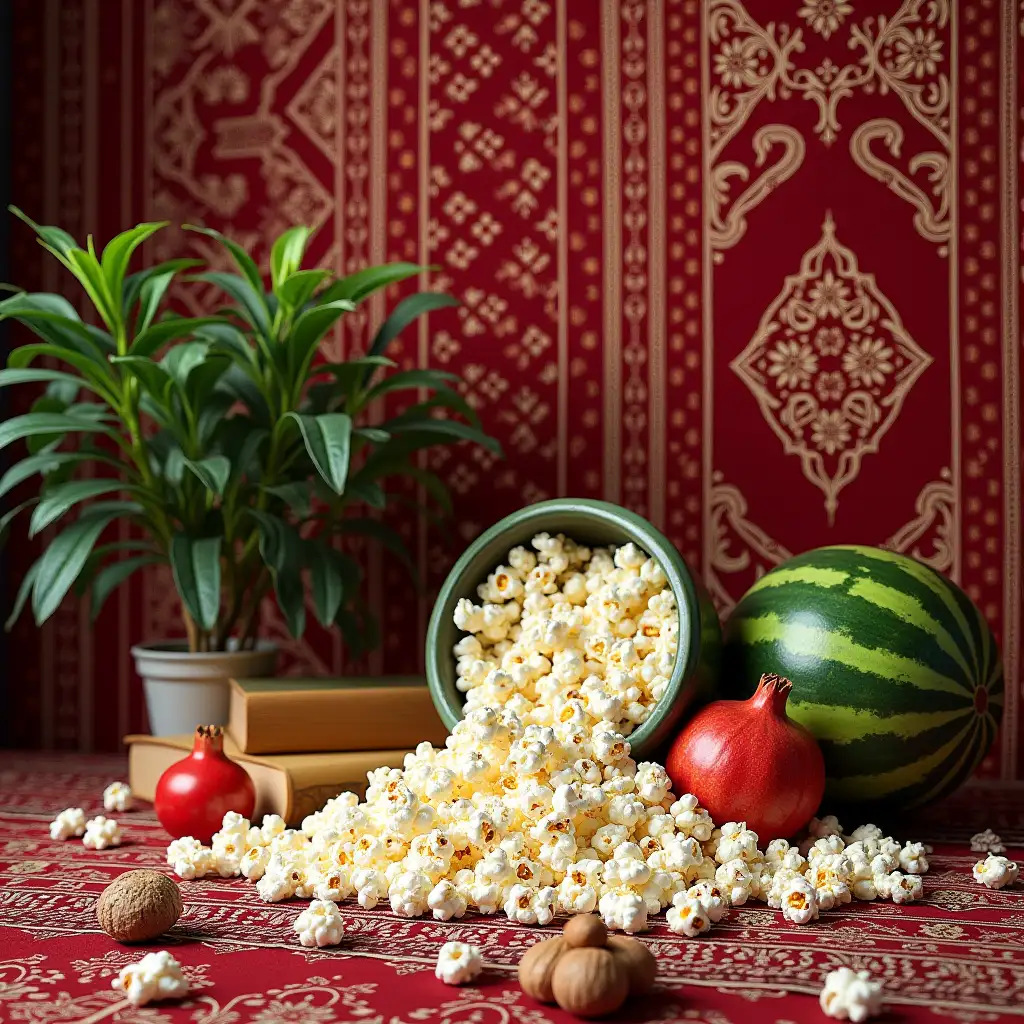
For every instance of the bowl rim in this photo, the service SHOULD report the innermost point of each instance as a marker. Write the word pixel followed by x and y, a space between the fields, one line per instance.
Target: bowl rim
pixel 641 532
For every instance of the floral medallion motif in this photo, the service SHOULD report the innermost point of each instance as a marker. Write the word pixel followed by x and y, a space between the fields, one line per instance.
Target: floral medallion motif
pixel 830 365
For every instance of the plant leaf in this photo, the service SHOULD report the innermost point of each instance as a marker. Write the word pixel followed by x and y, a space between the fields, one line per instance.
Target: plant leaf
pixel 181 360
pixel 213 472
pixel 44 462
pixel 286 255
pixel 23 591
pixel 375 435
pixel 326 581
pixel 63 560
pixel 131 292
pixel 151 340
pixel 404 313
pixel 384 535
pixel 110 577
pixel 58 500
pixel 410 379
pixel 156 381
pixel 8 517
pixel 118 253
pixel 297 495
pixel 246 264
pixel 369 491
pixel 429 430
pixel 281 549
pixel 442 398
pixel 32 424
pixel 305 337
pixel 357 286
pixel 195 563
pixel 39 376
pixel 86 267
pixel 253 305
pixel 328 441
pixel 296 290
pixel 53 237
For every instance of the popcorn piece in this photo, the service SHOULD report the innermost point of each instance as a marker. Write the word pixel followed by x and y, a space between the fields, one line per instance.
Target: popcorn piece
pixel 529 905
pixel 446 902
pixel 737 843
pixel 987 842
pixel 912 859
pixel 623 910
pixel 799 902
pixel 253 864
pixel 850 995
pixel 69 823
pixel 370 885
pixel 409 893
pixel 711 898
pixel 900 888
pixel 578 891
pixel 156 976
pixel 736 881
pixel 117 797
pixel 320 924
pixel 692 819
pixel 995 871
pixel 458 962
pixel 688 916
pixel 189 859
pixel 101 833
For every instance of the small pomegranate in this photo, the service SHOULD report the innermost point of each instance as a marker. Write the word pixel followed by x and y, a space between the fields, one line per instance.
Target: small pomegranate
pixel 749 761
pixel 195 793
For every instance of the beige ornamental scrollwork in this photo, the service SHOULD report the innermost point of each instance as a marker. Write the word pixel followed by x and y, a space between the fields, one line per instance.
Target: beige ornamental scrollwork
pixel 932 216
pixel 727 224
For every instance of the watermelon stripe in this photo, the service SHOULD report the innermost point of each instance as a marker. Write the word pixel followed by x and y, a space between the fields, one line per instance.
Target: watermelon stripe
pixel 908 608
pixel 884 754
pixel 845 725
pixel 798 602
pixel 811 642
pixel 884 784
pixel 816 576
pixel 973 754
pixel 907 567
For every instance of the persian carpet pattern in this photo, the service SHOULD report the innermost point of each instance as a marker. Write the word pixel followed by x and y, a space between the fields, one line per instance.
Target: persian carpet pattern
pixel 751 269
pixel 956 955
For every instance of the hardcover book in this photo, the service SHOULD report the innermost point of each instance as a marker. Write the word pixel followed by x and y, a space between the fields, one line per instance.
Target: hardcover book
pixel 286 716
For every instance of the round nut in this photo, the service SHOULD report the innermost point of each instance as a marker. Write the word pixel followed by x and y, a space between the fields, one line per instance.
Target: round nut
pixel 536 967
pixel 638 961
pixel 138 906
pixel 589 982
pixel 585 930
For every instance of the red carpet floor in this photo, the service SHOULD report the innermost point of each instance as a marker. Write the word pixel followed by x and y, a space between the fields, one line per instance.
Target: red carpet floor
pixel 958 955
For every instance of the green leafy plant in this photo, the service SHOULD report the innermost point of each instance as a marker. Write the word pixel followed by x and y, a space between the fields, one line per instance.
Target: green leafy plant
pixel 237 457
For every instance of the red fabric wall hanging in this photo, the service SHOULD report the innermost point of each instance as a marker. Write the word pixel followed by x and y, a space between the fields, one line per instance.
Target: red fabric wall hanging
pixel 753 271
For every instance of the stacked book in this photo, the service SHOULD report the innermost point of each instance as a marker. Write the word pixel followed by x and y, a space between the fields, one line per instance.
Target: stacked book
pixel 305 741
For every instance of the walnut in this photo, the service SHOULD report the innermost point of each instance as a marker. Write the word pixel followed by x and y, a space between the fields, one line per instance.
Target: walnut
pixel 138 906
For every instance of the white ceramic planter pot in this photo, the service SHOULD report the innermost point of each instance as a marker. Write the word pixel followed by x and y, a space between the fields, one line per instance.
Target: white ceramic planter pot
pixel 184 690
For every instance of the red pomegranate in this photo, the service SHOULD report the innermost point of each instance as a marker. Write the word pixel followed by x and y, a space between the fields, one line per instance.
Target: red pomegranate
pixel 749 761
pixel 195 793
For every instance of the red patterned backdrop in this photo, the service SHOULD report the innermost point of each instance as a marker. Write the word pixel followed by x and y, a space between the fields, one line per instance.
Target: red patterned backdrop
pixel 753 271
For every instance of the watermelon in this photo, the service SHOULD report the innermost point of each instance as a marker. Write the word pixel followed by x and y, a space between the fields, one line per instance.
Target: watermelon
pixel 895 671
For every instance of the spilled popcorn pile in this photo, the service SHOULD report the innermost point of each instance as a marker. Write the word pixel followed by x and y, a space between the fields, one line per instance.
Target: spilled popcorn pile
pixel 534 805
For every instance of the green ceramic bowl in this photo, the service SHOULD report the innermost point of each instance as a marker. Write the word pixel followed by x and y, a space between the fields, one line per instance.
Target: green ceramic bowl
pixel 595 523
